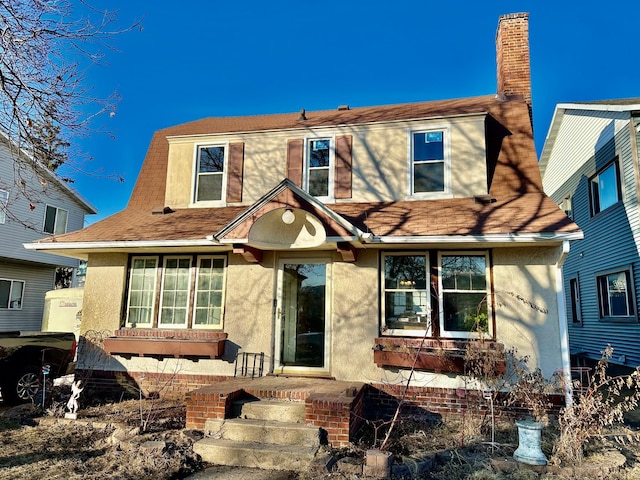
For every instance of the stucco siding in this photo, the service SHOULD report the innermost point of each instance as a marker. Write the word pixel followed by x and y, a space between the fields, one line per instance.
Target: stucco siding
pixel 380 154
pixel 104 292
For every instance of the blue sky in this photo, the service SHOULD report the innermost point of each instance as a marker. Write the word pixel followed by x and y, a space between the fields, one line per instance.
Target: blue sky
pixel 196 59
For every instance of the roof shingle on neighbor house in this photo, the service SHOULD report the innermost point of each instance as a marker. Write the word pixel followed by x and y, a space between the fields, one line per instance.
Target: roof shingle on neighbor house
pixel 517 204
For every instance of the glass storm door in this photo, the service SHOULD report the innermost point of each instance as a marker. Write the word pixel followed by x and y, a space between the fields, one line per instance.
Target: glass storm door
pixel 301 323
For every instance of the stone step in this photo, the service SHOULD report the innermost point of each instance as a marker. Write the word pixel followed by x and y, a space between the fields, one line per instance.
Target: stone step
pixel 265 431
pixel 273 410
pixel 257 455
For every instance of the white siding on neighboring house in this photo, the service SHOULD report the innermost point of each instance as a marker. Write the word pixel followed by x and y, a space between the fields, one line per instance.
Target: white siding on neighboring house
pixel 591 129
pixel 586 141
pixel 37 281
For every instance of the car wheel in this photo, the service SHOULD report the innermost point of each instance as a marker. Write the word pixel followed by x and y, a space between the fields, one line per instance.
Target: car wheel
pixel 23 387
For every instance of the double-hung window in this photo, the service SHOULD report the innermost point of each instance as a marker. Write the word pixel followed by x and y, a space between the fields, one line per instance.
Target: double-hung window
pixel 406 287
pixel 605 188
pixel 55 220
pixel 319 167
pixel 4 200
pixel 210 168
pixel 11 294
pixel 464 295
pixel 188 291
pixel 429 167
pixel 175 292
pixel 615 295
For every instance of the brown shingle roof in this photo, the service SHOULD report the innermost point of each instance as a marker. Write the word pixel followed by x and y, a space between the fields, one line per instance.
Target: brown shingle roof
pixel 520 206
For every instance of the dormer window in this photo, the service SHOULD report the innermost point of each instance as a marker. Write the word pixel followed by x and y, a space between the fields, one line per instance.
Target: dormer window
pixel 319 167
pixel 210 184
pixel 429 169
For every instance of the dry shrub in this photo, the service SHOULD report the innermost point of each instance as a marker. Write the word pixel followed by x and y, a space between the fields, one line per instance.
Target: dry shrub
pixel 600 404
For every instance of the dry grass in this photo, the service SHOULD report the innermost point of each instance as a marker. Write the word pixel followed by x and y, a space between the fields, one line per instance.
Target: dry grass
pixel 88 449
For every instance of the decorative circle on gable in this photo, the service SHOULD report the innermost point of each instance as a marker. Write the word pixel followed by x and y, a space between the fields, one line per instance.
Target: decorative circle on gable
pixel 273 230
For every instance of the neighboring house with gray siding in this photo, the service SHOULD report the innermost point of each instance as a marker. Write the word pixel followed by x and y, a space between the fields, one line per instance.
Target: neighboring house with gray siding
pixel 34 202
pixel 590 167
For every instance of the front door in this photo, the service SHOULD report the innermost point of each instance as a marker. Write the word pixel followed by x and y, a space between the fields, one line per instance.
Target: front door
pixel 302 333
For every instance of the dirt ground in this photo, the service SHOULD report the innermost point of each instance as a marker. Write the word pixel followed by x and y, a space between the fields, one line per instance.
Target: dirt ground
pixel 107 442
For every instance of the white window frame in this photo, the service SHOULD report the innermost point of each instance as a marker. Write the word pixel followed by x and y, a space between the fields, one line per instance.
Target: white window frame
pixel 627 270
pixel 197 290
pixel 427 314
pixel 153 296
pixel 487 298
pixel 307 166
pixel 4 201
pixel 185 323
pixel 223 174
pixel 446 133
pixel 57 229
pixel 593 185
pixel 11 287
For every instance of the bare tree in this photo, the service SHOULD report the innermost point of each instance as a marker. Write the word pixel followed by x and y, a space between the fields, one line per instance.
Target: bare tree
pixel 45 49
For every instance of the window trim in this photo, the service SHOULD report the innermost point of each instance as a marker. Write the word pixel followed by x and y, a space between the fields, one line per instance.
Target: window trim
pixel 331 167
pixel 196 177
pixel 488 295
pixel 55 220
pixel 575 301
pixel 631 301
pixel 447 180
pixel 194 326
pixel 592 200
pixel 12 281
pixel 3 205
pixel 429 322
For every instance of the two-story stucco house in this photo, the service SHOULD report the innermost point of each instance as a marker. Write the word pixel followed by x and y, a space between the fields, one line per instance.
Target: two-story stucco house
pixel 33 202
pixel 325 239
pixel 590 168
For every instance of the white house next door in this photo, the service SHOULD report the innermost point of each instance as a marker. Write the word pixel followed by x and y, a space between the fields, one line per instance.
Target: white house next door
pixel 302 333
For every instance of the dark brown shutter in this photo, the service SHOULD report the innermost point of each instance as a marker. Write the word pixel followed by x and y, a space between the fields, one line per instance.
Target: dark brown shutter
pixel 342 187
pixel 294 161
pixel 234 174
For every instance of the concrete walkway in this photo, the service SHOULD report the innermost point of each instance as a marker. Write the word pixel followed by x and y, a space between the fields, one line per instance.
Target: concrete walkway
pixel 241 473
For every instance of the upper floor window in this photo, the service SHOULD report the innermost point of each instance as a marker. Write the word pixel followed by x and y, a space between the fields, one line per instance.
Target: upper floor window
pixel 319 167
pixel 605 188
pixel 4 200
pixel 55 220
pixel 11 294
pixel 429 170
pixel 191 291
pixel 464 295
pixel 210 169
pixel 615 295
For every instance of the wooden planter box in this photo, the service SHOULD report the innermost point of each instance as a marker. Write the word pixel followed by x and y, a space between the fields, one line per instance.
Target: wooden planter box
pixel 165 347
pixel 446 356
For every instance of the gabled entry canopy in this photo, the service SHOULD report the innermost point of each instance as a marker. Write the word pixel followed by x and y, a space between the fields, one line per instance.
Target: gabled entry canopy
pixel 288 218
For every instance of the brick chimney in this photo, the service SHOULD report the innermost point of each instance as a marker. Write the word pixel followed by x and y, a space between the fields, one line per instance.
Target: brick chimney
pixel 512 56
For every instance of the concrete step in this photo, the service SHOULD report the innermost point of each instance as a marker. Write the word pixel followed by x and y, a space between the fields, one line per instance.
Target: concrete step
pixel 273 410
pixel 265 431
pixel 256 455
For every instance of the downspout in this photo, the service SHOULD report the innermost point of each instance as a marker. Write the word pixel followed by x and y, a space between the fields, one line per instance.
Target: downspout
pixel 564 326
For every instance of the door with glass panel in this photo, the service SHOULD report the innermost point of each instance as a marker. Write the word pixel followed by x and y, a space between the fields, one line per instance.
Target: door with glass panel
pixel 302 333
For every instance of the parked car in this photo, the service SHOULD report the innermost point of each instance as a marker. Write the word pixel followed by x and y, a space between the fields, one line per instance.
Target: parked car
pixel 27 357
